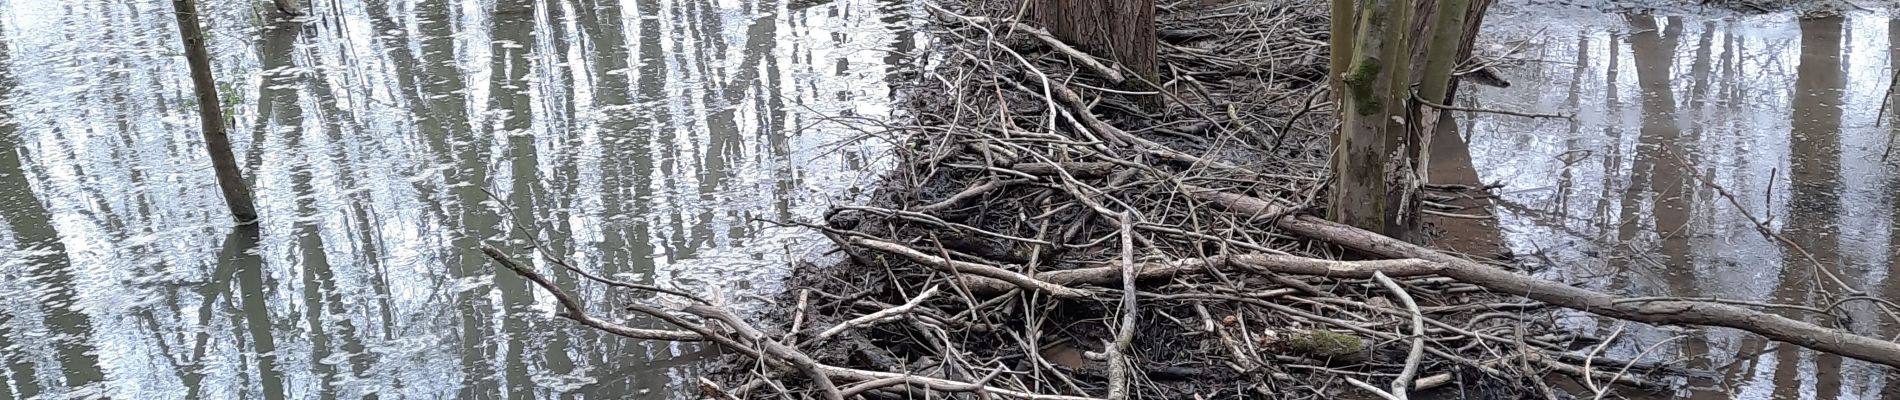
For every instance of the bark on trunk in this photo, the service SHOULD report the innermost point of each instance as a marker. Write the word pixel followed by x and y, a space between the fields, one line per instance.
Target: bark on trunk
pixel 1360 195
pixel 210 114
pixel 1122 31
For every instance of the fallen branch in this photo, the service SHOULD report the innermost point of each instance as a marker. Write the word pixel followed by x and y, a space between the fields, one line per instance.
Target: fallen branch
pixel 820 374
pixel 1103 276
pixel 1117 363
pixel 1651 312
pixel 798 359
pixel 1418 336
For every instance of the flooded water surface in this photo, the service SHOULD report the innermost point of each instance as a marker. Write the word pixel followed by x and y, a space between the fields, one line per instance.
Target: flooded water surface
pixel 1737 157
pixel 386 140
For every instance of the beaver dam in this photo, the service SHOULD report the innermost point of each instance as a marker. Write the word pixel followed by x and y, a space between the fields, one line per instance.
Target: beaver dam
pixel 1049 234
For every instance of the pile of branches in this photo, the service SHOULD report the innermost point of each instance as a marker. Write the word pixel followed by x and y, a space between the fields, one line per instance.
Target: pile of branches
pixel 1054 231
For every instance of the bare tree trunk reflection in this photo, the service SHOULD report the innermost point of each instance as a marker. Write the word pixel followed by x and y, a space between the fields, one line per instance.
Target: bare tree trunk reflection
pixel 1613 131
pixel 1890 287
pixel 1815 177
pixel 1653 53
pixel 1573 139
pixel 49 268
pixel 514 38
pixel 24 215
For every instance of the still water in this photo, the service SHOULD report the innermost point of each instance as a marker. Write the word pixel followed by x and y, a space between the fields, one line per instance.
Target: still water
pixel 640 138
pixel 1779 111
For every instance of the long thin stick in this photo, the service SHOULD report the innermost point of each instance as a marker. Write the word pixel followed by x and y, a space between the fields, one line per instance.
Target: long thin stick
pixel 1418 336
pixel 880 316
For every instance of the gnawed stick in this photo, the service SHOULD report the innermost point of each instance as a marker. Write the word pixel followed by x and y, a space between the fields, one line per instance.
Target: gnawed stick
pixel 967 194
pixel 880 316
pixel 1417 353
pixel 1125 334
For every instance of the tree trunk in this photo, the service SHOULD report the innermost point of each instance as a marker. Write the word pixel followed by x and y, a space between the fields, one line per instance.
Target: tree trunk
pixel 288 7
pixel 1448 31
pixel 1439 57
pixel 211 116
pixel 1341 46
pixel 1360 195
pixel 1123 31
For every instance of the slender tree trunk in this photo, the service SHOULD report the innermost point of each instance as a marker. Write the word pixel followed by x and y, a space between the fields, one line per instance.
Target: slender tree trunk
pixel 217 141
pixel 1448 31
pixel 1123 31
pixel 1447 27
pixel 1360 195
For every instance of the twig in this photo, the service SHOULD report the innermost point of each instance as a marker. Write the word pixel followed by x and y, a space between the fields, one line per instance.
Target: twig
pixel 576 311
pixel 880 316
pixel 968 194
pixel 1588 380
